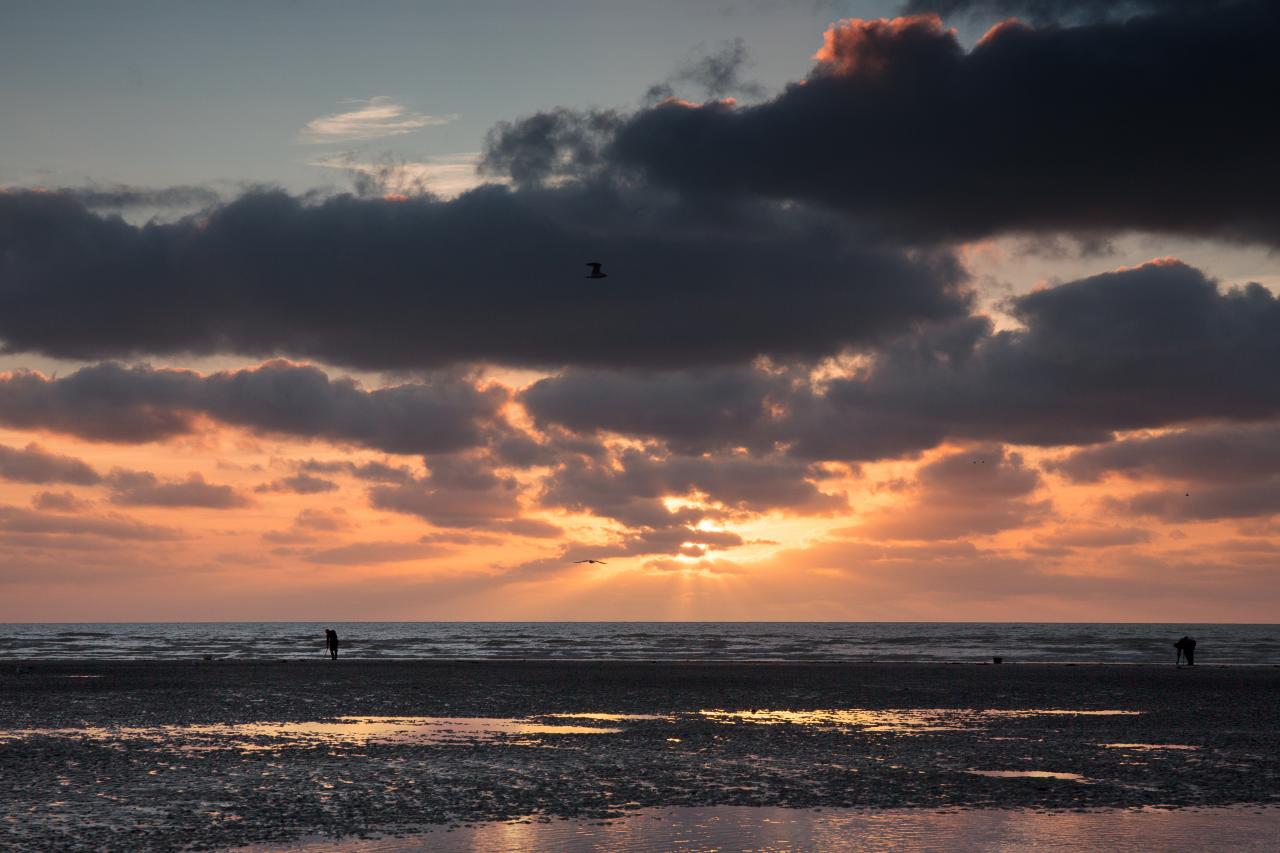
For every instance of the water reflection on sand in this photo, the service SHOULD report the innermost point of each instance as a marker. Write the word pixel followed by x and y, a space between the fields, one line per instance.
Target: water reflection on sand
pixel 1029 774
pixel 737 828
pixel 904 721
pixel 343 730
pixel 359 730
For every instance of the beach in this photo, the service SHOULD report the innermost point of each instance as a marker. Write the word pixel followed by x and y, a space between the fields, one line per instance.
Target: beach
pixel 146 755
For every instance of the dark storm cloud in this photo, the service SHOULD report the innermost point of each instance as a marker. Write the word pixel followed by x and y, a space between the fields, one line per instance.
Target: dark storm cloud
pixel 33 464
pixel 111 402
pixel 142 488
pixel 493 275
pixel 1057 11
pixel 1154 124
pixel 1211 454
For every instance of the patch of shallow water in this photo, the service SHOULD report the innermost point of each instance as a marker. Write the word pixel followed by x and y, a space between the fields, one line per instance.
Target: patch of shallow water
pixel 608 718
pixel 914 720
pixel 903 721
pixel 1029 774
pixel 737 828
pixel 1144 747
pixel 354 731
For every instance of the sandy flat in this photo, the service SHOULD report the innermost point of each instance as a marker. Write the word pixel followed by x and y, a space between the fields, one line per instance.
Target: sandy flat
pixel 209 755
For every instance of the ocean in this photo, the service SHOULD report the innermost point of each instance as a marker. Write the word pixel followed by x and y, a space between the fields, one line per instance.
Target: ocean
pixel 1027 642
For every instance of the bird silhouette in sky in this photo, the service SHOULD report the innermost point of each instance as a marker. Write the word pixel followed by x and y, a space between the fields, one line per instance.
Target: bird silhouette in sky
pixel 595 270
pixel 593 562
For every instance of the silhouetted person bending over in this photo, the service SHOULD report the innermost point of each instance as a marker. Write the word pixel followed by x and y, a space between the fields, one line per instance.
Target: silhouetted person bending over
pixel 1186 648
pixel 331 640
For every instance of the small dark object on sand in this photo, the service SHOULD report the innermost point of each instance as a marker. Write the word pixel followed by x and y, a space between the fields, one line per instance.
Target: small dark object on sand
pixel 1186 647
pixel 997 659
pixel 208 657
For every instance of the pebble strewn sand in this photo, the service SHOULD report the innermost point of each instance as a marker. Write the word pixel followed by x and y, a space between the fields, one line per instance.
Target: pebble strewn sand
pixel 121 771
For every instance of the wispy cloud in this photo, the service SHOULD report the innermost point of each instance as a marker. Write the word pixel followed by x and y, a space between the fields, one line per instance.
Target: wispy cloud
pixel 445 175
pixel 375 118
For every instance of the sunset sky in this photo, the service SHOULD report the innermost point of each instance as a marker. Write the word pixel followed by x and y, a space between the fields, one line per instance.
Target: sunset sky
pixel 951 310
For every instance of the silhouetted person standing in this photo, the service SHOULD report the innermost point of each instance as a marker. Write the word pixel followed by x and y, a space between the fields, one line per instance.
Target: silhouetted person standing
pixel 1186 648
pixel 331 640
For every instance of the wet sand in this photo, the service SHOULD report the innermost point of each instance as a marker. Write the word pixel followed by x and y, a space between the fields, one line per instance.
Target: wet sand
pixel 159 756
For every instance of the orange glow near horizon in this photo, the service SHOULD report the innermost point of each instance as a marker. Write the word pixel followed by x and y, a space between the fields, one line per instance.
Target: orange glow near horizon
pixel 331 554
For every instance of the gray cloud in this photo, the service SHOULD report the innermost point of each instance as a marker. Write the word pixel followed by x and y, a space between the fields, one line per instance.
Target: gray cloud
pixel 142 488
pixel 974 492
pixel 1258 499
pixel 110 402
pixel 377 472
pixel 691 410
pixel 364 553
pixel 299 484
pixel 124 196
pixel 715 74
pixel 33 464
pixel 1210 454
pixel 630 488
pixel 456 492
pixel 18 520
pixel 59 502
pixel 1095 537
pixel 1153 346
pixel 323 520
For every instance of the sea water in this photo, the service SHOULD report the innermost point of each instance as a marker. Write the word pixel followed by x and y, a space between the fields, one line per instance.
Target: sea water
pixel 1025 642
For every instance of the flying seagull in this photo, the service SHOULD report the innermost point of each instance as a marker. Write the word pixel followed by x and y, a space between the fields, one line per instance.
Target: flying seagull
pixel 595 270
pixel 596 562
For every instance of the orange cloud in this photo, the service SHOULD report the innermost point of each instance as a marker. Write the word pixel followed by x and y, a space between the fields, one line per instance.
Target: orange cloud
pixel 866 47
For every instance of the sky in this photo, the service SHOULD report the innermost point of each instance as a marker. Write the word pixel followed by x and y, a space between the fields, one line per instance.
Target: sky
pixel 924 310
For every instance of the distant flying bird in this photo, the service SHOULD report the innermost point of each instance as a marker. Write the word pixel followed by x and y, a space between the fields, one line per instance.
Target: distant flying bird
pixel 595 270
pixel 595 562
